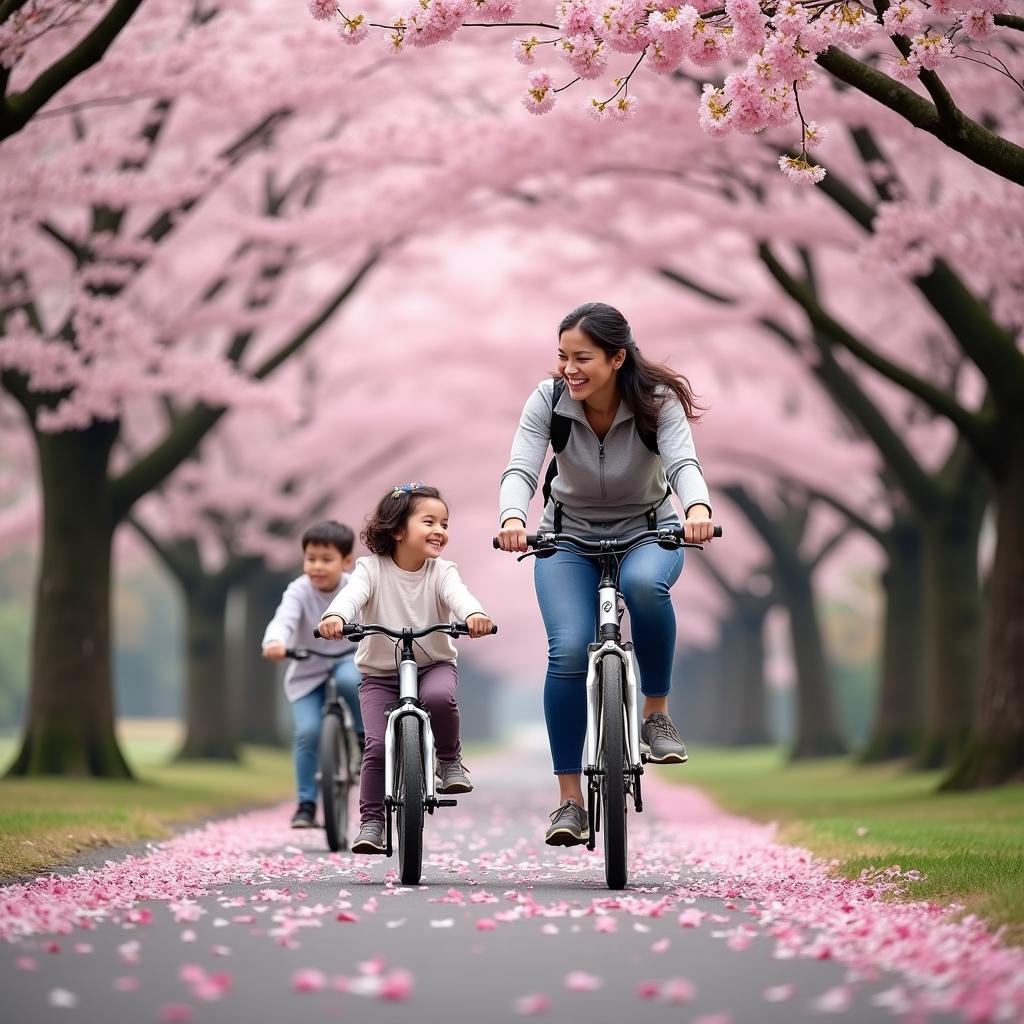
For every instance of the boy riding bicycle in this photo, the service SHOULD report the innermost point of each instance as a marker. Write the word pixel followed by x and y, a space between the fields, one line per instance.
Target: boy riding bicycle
pixel 326 561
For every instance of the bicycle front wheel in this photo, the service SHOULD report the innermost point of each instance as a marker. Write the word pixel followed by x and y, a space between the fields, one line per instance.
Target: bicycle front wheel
pixel 613 781
pixel 410 788
pixel 335 780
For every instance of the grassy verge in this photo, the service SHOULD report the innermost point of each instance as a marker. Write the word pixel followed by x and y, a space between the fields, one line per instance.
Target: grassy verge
pixel 46 822
pixel 969 845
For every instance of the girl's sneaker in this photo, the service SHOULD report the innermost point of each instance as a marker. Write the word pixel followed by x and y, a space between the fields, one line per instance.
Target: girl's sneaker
pixel 370 839
pixel 452 777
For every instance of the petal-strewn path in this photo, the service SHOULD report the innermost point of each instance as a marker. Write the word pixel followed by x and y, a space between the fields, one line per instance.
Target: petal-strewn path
pixel 245 920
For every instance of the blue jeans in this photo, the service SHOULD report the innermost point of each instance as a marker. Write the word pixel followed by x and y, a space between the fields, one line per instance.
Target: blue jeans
pixel 306 714
pixel 567 593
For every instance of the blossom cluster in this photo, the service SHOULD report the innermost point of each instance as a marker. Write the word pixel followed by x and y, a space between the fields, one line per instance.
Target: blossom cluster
pixel 771 49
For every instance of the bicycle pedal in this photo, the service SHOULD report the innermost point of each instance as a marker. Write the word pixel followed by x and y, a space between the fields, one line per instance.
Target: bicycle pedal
pixel 447 803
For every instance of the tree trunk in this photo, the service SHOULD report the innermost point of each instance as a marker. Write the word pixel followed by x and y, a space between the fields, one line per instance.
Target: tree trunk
pixel 70 725
pixel 953 621
pixel 897 727
pixel 745 722
pixel 995 753
pixel 816 732
pixel 209 730
pixel 258 688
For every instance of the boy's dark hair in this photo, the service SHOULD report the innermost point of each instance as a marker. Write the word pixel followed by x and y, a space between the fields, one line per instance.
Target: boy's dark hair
pixel 330 531
pixel 391 515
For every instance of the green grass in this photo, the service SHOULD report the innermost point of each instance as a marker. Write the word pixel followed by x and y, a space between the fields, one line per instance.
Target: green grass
pixel 45 822
pixel 969 845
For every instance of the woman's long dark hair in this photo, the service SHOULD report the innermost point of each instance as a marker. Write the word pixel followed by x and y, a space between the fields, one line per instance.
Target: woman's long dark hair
pixel 639 379
pixel 391 515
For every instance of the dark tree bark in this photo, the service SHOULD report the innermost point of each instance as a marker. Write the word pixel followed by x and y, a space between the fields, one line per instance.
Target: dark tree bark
pixel 816 731
pixel 257 687
pixel 898 721
pixel 70 724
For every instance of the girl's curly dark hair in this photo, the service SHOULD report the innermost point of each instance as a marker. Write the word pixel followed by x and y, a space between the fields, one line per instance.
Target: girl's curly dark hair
pixel 391 515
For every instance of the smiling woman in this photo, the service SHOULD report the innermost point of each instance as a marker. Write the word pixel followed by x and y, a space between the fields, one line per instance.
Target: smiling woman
pixel 619 425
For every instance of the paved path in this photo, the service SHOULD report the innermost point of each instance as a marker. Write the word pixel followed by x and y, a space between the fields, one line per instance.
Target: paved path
pixel 248 921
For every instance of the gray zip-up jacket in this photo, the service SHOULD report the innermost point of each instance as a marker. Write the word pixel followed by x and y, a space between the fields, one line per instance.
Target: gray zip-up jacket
pixel 606 487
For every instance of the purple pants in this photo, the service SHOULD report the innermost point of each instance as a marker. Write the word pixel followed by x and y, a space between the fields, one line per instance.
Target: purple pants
pixel 437 692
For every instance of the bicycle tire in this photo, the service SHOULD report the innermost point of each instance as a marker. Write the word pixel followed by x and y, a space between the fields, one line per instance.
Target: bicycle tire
pixel 335 780
pixel 613 781
pixel 410 789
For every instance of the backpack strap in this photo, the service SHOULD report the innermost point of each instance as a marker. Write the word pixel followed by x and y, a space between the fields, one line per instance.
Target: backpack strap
pixel 561 426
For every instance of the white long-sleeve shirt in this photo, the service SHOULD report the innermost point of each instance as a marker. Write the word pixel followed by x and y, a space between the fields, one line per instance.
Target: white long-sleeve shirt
pixel 299 611
pixel 379 591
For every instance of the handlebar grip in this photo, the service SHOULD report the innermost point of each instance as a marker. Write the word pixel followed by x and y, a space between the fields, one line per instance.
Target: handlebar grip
pixel 531 540
pixel 316 633
pixel 351 628
pixel 494 629
pixel 717 532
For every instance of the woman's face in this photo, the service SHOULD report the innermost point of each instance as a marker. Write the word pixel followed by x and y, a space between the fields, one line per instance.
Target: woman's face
pixel 587 370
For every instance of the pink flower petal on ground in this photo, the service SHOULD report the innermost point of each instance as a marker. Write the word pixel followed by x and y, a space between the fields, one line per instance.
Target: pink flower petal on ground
pixel 713 1018
pixel 580 981
pixel 83 947
pixel 648 989
pixel 220 951
pixel 370 906
pixel 443 922
pixel 678 990
pixel 607 925
pixel 486 924
pixel 51 947
pixel 374 966
pixel 127 983
pixel 62 999
pixel 779 993
pixel 188 935
pixel 347 917
pixel 533 1005
pixel 25 963
pixel 176 1013
pixel 309 979
pixel 835 1000
pixel 691 918
pixel 396 986
pixel 550 929
pixel 660 946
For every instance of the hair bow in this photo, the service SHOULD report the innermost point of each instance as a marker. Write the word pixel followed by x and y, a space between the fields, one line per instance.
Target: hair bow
pixel 406 488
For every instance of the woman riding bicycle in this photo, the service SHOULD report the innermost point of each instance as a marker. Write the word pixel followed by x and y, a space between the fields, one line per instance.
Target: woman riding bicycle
pixel 619 425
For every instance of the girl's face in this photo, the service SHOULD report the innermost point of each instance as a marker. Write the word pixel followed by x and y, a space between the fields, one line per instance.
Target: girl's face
pixel 587 369
pixel 425 533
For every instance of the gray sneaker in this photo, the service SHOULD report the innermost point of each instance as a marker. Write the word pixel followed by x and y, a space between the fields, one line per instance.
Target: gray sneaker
pixel 569 825
pixel 370 839
pixel 452 777
pixel 660 740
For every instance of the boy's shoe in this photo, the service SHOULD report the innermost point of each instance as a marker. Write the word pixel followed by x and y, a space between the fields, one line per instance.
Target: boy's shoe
pixel 452 777
pixel 660 740
pixel 570 825
pixel 370 839
pixel 305 815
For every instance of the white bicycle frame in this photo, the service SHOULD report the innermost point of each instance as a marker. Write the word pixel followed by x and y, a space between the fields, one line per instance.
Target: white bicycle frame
pixel 607 603
pixel 408 686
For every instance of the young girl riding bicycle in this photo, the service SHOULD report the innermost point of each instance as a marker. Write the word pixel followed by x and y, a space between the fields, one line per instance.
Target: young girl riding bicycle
pixel 405 583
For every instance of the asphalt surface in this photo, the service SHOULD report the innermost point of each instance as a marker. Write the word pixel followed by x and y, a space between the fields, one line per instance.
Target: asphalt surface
pixel 343 940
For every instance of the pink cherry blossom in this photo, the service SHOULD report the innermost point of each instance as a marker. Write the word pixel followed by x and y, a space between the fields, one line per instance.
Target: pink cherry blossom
pixel 678 990
pixel 800 170
pixel 309 979
pixel 534 1005
pixel 580 981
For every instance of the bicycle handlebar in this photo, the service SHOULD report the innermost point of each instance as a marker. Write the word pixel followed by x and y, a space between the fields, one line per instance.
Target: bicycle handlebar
pixel 541 540
pixel 357 630
pixel 302 653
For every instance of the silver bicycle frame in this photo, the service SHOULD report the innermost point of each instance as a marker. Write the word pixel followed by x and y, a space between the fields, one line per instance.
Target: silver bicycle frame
pixel 408 686
pixel 608 615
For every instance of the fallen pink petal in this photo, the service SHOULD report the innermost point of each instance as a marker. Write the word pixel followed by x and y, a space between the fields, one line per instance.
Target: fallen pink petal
pixel 580 981
pixel 534 1005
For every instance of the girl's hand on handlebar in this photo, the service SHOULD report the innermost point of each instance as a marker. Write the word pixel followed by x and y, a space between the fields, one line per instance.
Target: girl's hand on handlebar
pixel 331 627
pixel 699 527
pixel 512 535
pixel 274 651
pixel 479 625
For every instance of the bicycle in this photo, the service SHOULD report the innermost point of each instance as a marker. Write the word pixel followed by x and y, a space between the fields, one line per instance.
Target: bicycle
pixel 409 787
pixel 339 753
pixel 614 754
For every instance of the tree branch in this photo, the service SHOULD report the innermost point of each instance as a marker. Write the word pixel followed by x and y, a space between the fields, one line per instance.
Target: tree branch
pixel 973 427
pixel 17 110
pixel 961 134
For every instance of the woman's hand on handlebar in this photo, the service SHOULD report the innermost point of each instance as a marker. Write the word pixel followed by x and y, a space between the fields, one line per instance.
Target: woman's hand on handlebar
pixel 331 627
pixel 479 625
pixel 699 527
pixel 512 535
